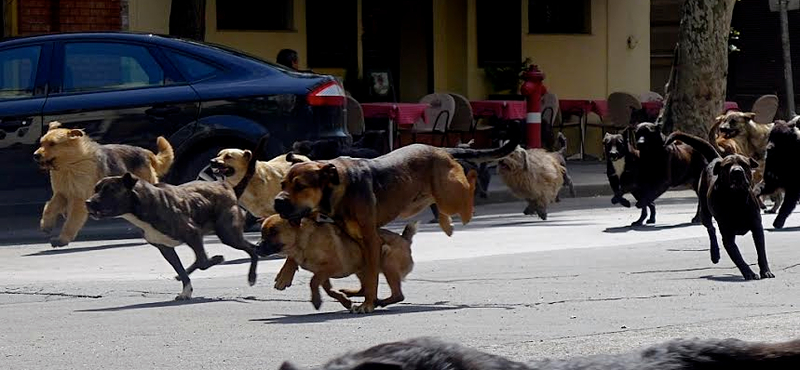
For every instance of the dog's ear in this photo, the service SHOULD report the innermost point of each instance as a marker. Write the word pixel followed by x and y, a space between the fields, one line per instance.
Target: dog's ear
pixel 128 180
pixel 607 138
pixel 720 117
pixel 379 365
pixel 753 163
pixel 716 168
pixel 659 126
pixel 291 158
pixel 53 125
pixel 247 155
pixel 75 133
pixel 750 115
pixel 330 173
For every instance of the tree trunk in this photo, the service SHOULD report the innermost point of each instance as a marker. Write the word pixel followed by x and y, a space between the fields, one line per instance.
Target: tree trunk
pixel 696 88
pixel 187 19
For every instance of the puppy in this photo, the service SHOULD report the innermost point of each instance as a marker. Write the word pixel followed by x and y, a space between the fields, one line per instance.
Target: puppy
pixel 736 133
pixel 328 252
pixel 362 195
pixel 258 196
pixel 622 166
pixel 664 166
pixel 726 193
pixel 330 149
pixel 481 185
pixel 75 164
pixel 171 215
pixel 534 175
pixel 680 354
pixel 780 172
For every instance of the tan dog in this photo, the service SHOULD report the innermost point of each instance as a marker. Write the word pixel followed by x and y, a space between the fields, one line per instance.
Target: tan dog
pixel 534 175
pixel 258 197
pixel 328 252
pixel 362 195
pixel 736 133
pixel 76 163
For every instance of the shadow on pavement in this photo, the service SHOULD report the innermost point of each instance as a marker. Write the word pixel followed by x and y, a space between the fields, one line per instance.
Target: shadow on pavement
pixel 66 250
pixel 625 229
pixel 727 278
pixel 785 229
pixel 341 315
pixel 170 303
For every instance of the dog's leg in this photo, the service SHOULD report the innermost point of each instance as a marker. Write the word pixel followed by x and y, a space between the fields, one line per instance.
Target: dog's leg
pixel 337 295
pixel 52 209
pixel 642 216
pixel 394 280
pixel 705 216
pixel 372 243
pixel 446 223
pixel 173 259
pixel 355 292
pixel 201 259
pixel 229 231
pixel 435 211
pixel 761 250
pixel 729 242
pixel 652 218
pixel 789 202
pixel 76 217
pixel 316 281
pixel 696 218
pixel 285 276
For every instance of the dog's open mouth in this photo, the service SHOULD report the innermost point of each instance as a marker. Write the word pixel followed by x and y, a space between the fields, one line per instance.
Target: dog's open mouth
pixel 47 165
pixel 220 169
pixel 728 133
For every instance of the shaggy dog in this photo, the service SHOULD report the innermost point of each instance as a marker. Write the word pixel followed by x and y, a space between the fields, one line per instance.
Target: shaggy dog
pixel 534 175
pixel 76 163
pixel 664 166
pixel 327 251
pixel 780 172
pixel 622 168
pixel 726 194
pixel 262 188
pixel 737 133
pixel 679 354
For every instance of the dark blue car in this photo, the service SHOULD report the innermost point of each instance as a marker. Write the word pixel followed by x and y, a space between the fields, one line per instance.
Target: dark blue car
pixel 131 88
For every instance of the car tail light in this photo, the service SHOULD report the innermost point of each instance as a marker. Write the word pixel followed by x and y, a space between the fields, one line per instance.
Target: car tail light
pixel 328 94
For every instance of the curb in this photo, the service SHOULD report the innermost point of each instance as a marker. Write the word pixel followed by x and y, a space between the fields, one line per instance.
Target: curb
pixel 581 191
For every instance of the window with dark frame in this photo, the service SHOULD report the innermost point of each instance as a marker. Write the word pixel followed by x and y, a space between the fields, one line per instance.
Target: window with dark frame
pixel 559 16
pixel 271 15
pixel 498 27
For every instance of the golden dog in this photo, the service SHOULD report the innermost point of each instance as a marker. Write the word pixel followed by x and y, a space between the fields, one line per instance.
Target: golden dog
pixel 535 175
pixel 736 133
pixel 76 163
pixel 361 195
pixel 258 197
pixel 328 252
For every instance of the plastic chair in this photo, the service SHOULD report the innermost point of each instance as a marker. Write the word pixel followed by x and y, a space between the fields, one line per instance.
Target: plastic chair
pixel 551 117
pixel 355 117
pixel 463 121
pixel 765 108
pixel 438 116
pixel 621 106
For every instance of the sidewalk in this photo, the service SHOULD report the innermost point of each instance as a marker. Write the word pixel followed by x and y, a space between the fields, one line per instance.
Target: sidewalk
pixel 589 178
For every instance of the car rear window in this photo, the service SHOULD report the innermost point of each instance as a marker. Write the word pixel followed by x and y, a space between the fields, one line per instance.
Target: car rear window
pixel 192 68
pixel 18 71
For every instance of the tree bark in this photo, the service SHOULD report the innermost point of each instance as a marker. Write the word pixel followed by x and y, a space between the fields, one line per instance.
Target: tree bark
pixel 696 88
pixel 187 19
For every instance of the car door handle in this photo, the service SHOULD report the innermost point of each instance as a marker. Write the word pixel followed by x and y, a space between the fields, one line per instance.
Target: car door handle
pixel 12 124
pixel 162 111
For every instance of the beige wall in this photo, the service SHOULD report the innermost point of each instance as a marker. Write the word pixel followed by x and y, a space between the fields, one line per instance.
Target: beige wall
pixel 450 46
pixel 149 16
pixel 629 66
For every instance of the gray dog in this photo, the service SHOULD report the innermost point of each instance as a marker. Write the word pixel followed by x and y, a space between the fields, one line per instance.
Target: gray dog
pixel 171 215
pixel 432 354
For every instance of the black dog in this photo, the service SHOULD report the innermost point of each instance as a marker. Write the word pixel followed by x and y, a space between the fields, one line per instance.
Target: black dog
pixel 662 166
pixel 170 215
pixel 330 149
pixel 622 169
pixel 780 169
pixel 726 193
pixel 680 354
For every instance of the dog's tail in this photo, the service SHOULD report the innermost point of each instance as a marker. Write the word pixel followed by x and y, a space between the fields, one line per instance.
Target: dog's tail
pixel 162 160
pixel 695 142
pixel 562 143
pixel 410 230
pixel 478 156
pixel 251 167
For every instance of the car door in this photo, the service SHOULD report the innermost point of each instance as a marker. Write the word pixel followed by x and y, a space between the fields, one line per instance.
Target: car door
pixel 23 85
pixel 120 92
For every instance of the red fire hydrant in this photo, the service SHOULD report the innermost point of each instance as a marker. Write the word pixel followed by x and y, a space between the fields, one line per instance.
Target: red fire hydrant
pixel 533 89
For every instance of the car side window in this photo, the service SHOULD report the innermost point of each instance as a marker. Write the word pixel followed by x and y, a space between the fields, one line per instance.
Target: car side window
pixel 96 66
pixel 18 72
pixel 192 68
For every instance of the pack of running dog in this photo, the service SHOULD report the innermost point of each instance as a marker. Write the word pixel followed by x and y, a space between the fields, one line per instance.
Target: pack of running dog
pixel 324 205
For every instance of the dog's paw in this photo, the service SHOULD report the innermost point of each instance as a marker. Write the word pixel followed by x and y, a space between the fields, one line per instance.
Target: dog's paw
pixel 636 223
pixel 281 282
pixel 181 297
pixel 778 223
pixel 750 276
pixel 767 274
pixel 251 278
pixel 715 257
pixel 316 301
pixel 216 260
pixel 57 242
pixel 625 203
pixel 363 308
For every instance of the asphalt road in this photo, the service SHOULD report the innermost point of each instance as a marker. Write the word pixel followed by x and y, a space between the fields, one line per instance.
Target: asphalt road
pixel 578 283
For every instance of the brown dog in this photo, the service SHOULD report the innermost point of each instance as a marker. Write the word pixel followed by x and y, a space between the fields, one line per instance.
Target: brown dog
pixel 258 197
pixel 76 163
pixel 362 195
pixel 328 252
